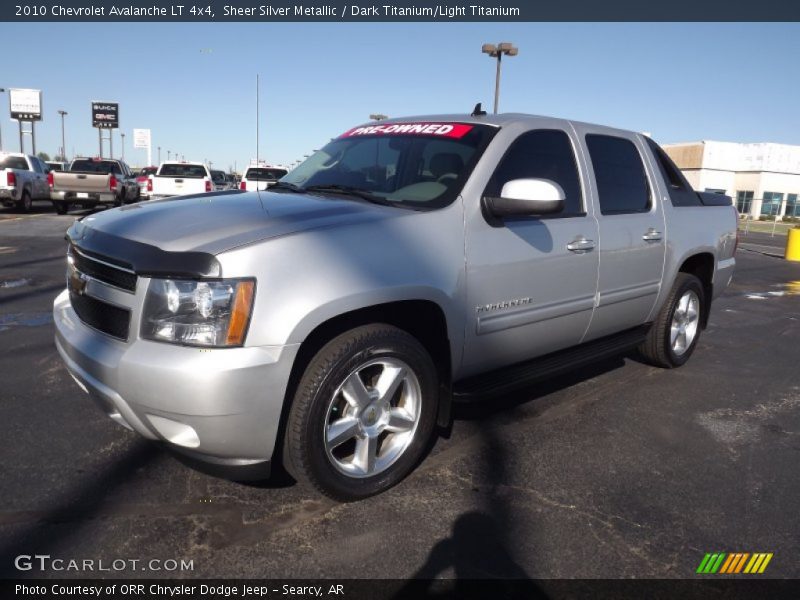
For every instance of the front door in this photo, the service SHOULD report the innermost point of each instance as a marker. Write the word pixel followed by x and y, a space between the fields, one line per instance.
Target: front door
pixel 531 281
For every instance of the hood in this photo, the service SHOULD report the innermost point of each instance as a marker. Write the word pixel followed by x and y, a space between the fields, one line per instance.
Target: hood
pixel 213 223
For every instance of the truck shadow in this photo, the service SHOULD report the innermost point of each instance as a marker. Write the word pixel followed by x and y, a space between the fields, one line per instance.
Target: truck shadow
pixel 481 545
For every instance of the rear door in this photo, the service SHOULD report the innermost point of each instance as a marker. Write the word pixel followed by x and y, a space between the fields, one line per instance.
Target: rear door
pixel 531 281
pixel 632 229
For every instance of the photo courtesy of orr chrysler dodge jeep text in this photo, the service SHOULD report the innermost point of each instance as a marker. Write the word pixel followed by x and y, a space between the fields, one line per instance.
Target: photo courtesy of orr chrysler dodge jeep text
pixel 328 321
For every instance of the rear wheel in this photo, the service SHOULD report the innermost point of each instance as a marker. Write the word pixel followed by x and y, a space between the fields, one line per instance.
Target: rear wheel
pixel 363 413
pixel 61 207
pixel 673 336
pixel 26 202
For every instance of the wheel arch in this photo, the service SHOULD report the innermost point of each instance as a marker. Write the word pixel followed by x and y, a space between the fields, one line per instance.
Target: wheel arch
pixel 701 265
pixel 423 319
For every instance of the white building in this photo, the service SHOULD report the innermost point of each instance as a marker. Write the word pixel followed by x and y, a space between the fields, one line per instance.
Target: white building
pixel 763 178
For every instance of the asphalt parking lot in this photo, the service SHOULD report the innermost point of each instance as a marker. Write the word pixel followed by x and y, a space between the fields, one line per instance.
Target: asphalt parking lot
pixel 618 470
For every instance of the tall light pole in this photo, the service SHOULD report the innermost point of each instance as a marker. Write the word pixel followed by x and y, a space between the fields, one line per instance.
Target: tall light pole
pixel 1 129
pixel 122 135
pixel 168 153
pixel 159 155
pixel 63 114
pixel 497 52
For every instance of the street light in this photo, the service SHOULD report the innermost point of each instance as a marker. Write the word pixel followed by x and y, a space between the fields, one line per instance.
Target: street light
pixel 168 153
pixel 122 135
pixel 497 52
pixel 159 155
pixel 378 117
pixel 63 114
pixel 1 129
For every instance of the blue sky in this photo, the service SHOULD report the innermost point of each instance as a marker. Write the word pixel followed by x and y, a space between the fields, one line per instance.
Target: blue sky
pixel 193 85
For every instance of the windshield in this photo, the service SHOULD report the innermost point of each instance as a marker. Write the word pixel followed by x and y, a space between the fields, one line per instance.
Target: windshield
pixel 261 174
pixel 88 165
pixel 217 176
pixel 423 165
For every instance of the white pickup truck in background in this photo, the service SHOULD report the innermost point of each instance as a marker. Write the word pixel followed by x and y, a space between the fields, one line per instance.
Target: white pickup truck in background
pixel 23 179
pixel 179 179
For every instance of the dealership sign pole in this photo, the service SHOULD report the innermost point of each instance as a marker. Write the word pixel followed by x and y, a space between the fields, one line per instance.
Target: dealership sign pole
pixel 105 115
pixel 141 139
pixel 26 107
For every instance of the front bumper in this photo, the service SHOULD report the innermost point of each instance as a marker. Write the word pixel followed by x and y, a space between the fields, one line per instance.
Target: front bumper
pixel 221 407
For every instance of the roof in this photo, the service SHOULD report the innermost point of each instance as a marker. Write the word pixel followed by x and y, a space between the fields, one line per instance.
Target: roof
pixel 499 120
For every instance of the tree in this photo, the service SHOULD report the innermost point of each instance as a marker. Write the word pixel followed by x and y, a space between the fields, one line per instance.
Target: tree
pixel 43 156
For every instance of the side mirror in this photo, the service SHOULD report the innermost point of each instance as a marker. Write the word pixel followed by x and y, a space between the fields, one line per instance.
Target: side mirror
pixel 527 198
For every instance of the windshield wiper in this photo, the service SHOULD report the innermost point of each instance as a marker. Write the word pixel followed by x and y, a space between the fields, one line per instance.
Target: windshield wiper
pixel 285 185
pixel 349 191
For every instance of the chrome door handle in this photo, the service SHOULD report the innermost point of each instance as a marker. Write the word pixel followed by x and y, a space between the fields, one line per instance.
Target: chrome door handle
pixel 580 245
pixel 651 235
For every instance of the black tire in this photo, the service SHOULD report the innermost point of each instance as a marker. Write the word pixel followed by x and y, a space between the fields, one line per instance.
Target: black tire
pixel 26 202
pixel 305 454
pixel 657 349
pixel 118 201
pixel 61 207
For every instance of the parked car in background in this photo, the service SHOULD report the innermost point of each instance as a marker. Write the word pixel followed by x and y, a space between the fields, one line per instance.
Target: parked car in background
pixel 92 181
pixel 23 180
pixel 260 178
pixel 57 165
pixel 221 181
pixel 330 320
pixel 142 179
pixel 180 178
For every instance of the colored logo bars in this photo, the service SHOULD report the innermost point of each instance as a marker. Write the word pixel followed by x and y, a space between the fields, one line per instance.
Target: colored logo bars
pixel 734 562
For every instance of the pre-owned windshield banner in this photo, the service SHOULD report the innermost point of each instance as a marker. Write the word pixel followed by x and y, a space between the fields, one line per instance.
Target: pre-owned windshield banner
pixel 400 11
pixel 445 130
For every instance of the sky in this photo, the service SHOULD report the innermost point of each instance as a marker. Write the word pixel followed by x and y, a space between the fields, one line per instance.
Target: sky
pixel 194 85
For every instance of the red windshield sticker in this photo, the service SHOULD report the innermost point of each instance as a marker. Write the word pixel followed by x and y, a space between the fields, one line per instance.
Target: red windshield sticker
pixel 446 130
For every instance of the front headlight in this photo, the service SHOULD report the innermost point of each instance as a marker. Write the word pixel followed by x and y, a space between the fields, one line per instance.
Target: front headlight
pixel 198 313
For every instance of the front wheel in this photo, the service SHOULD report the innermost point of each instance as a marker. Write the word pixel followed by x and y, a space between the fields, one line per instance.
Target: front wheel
pixel 673 336
pixel 363 413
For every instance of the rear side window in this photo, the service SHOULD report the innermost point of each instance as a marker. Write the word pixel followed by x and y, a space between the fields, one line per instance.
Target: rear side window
pixel 619 173
pixel 541 154
pixel 680 191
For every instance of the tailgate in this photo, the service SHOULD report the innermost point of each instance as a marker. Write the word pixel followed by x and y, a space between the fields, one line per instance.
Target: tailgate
pixel 174 186
pixel 68 181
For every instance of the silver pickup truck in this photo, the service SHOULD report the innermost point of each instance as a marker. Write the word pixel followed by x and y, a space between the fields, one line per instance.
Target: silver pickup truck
pixel 92 181
pixel 328 322
pixel 23 179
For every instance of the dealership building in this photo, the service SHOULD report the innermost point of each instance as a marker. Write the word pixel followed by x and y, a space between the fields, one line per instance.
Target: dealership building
pixel 762 178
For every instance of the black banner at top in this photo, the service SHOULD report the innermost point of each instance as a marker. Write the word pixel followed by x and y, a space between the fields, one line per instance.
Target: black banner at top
pixel 225 11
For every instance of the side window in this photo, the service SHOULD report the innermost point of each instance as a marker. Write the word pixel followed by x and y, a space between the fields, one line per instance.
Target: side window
pixel 619 173
pixel 680 192
pixel 37 166
pixel 541 154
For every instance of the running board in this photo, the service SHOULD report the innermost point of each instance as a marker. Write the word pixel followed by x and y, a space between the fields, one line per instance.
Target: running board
pixel 523 374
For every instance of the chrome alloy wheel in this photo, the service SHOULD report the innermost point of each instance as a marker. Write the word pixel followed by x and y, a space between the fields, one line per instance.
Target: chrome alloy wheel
pixel 685 321
pixel 372 417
